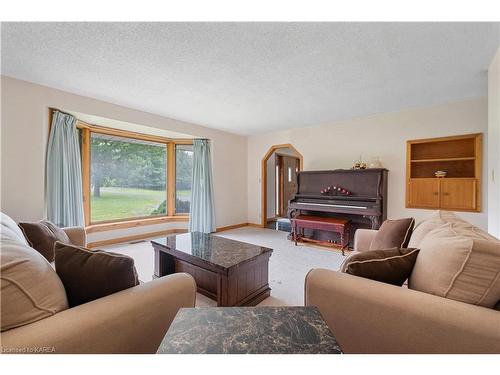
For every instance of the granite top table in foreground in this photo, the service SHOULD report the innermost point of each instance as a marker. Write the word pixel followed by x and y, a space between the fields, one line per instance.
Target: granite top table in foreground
pixel 218 251
pixel 249 330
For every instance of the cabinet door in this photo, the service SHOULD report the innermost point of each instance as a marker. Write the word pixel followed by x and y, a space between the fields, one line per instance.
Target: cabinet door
pixel 458 193
pixel 423 193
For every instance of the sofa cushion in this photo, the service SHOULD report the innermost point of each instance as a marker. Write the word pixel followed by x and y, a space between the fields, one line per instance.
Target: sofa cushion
pixel 458 262
pixel 88 275
pixel 393 233
pixel 438 219
pixel 43 235
pixel 30 288
pixel 425 227
pixel 391 266
pixel 10 230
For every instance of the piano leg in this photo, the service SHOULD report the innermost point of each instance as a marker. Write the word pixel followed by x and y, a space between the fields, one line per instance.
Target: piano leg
pixel 293 233
pixel 375 222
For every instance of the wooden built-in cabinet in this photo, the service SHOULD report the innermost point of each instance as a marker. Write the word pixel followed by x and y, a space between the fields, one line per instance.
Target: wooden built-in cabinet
pixel 423 192
pixel 460 157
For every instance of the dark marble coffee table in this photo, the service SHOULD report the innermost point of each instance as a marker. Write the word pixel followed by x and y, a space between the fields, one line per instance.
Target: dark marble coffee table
pixel 249 330
pixel 231 272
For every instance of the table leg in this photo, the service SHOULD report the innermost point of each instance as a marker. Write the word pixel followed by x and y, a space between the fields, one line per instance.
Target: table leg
pixel 164 264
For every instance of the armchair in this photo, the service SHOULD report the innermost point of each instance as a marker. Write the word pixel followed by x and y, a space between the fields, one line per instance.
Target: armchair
pixel 368 316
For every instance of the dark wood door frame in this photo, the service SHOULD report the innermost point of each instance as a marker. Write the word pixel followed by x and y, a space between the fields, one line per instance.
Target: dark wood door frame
pixel 263 196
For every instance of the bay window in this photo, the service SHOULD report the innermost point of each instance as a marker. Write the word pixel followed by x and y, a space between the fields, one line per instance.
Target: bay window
pixel 133 178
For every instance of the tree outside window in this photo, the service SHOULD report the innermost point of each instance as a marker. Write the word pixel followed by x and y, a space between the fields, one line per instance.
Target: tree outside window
pixel 128 178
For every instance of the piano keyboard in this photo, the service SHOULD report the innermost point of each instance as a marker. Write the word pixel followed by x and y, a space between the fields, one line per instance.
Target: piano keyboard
pixel 331 205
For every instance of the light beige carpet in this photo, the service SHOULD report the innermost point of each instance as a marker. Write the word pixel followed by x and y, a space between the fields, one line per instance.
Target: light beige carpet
pixel 288 265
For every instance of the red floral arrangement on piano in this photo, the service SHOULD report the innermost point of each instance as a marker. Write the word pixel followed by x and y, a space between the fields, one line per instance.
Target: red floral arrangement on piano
pixel 335 190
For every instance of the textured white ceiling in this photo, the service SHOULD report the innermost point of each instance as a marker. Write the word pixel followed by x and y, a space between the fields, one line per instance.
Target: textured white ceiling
pixel 255 77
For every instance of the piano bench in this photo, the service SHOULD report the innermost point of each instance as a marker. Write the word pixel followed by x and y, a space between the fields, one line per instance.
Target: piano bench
pixel 330 224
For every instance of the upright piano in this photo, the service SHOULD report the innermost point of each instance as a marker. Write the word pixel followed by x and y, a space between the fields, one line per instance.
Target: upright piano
pixel 365 204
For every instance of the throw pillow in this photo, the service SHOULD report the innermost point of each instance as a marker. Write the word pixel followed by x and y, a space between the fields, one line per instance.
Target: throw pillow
pixel 42 236
pixel 391 266
pixel 91 274
pixel 30 289
pixel 458 263
pixel 393 233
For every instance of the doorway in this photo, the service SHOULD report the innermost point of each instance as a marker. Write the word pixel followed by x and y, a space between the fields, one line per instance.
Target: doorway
pixel 279 182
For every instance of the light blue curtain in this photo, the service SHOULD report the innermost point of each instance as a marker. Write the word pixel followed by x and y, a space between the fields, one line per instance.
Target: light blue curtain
pixel 202 213
pixel 64 173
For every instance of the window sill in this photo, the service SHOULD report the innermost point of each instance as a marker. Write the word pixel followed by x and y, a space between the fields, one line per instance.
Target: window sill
pixel 104 227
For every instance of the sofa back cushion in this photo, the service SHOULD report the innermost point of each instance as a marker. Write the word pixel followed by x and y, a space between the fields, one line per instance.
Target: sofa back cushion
pixel 10 230
pixel 459 262
pixel 30 288
pixel 423 229
pixel 438 219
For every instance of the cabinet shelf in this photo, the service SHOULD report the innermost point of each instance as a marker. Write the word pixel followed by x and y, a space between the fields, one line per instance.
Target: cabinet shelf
pixel 442 159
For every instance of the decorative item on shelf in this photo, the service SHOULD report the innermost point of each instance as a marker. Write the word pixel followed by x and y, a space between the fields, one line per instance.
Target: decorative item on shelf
pixel 359 164
pixel 440 173
pixel 375 162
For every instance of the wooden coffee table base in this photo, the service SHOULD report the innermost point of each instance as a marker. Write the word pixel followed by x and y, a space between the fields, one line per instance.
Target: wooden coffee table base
pixel 246 286
pixel 241 282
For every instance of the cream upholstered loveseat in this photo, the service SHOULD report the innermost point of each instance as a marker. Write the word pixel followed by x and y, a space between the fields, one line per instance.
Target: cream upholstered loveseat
pixel 367 316
pixel 37 319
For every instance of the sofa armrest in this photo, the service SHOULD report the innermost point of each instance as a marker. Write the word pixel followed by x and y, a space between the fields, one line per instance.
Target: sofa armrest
pixel 367 316
pixel 131 321
pixel 363 238
pixel 76 235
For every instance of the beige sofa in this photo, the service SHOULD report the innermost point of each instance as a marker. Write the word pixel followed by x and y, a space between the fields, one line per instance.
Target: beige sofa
pixel 367 316
pixel 131 321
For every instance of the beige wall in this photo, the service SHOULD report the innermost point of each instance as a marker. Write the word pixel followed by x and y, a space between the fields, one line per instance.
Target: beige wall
pixel 338 145
pixel 24 132
pixel 493 159
pixel 237 159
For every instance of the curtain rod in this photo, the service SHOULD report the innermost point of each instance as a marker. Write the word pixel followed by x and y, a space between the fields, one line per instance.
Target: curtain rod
pixel 58 110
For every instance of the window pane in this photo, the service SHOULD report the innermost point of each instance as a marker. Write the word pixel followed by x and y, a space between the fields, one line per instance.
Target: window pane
pixel 128 178
pixel 183 173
